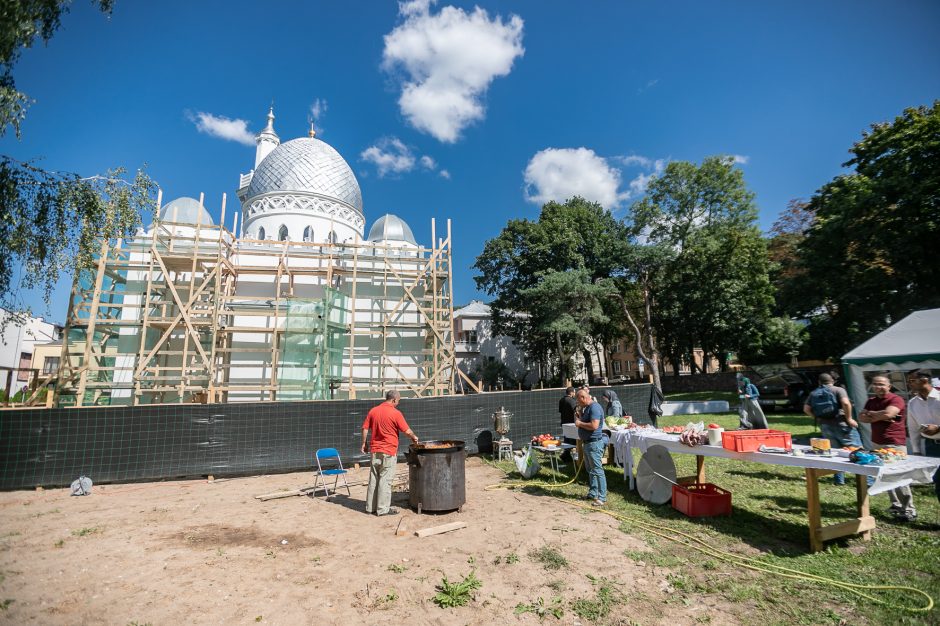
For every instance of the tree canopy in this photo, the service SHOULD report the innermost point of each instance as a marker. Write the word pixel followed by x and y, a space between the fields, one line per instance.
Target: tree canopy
pixel 863 259
pixel 51 222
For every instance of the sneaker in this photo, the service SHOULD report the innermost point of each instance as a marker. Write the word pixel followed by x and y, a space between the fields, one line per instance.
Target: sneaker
pixel 895 512
pixel 391 511
pixel 907 516
pixel 598 503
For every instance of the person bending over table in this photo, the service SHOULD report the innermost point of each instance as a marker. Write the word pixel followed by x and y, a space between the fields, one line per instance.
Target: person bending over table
pixel 885 413
pixel 590 425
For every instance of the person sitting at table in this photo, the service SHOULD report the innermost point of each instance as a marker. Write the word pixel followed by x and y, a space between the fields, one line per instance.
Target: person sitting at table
pixel 614 408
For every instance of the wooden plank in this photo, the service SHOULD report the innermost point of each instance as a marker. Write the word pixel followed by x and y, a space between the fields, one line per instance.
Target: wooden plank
pixel 437 530
pixel 813 509
pixel 862 503
pixel 851 527
pixel 700 468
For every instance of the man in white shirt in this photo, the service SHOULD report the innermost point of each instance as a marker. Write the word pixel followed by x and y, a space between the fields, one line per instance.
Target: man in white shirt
pixel 923 415
pixel 923 419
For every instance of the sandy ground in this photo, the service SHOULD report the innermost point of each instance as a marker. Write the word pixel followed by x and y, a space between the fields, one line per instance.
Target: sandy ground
pixel 199 552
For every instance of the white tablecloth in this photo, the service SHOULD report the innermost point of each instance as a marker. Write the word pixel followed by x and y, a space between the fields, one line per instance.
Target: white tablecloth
pixel 912 470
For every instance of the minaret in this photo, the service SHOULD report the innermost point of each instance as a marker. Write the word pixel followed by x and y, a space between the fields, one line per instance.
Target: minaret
pixel 267 139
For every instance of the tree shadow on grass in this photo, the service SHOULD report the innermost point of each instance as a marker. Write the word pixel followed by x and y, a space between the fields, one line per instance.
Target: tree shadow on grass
pixel 765 475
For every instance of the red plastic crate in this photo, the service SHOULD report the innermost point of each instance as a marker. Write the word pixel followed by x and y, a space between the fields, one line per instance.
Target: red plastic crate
pixel 751 440
pixel 701 500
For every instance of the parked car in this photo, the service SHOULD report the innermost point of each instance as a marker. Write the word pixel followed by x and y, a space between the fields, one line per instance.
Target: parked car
pixel 784 388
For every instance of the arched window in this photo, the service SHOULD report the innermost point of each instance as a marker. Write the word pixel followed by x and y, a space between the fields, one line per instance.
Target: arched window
pixel 282 233
pixel 332 238
pixel 261 233
pixel 308 233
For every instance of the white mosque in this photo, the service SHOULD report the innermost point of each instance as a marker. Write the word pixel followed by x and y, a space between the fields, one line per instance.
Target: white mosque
pixel 295 302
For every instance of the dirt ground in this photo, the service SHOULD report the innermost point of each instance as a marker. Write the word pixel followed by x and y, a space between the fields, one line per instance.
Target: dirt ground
pixel 200 552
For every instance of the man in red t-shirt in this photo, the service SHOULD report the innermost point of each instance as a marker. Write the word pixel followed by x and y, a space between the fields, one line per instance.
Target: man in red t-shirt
pixel 384 422
pixel 885 413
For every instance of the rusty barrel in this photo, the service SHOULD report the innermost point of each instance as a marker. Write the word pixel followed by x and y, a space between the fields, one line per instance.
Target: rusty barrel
pixel 436 477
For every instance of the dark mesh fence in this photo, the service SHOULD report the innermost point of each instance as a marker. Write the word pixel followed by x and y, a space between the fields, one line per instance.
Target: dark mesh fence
pixel 52 447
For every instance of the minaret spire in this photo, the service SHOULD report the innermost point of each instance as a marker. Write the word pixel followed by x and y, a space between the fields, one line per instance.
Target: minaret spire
pixel 267 139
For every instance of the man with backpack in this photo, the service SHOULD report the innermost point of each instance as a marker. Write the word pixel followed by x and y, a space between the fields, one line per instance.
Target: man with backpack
pixel 830 406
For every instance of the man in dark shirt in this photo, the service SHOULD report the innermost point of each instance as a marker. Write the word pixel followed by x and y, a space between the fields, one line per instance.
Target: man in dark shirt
pixel 566 408
pixel 885 412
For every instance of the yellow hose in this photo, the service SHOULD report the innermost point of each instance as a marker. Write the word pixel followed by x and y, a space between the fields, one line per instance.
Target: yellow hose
pixel 695 543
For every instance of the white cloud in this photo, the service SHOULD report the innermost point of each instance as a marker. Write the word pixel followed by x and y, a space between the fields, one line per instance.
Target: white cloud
pixel 222 127
pixel 444 174
pixel 449 60
pixel 560 173
pixel 641 181
pixel 740 159
pixel 635 159
pixel 389 155
pixel 318 108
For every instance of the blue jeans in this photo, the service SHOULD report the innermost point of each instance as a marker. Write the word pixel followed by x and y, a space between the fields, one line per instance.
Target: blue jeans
pixel 841 435
pixel 597 480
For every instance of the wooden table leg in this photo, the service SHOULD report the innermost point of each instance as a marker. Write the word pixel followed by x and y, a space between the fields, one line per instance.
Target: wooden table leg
pixel 699 468
pixel 861 493
pixel 813 509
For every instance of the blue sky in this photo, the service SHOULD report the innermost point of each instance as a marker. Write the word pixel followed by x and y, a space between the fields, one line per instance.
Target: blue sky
pixel 545 98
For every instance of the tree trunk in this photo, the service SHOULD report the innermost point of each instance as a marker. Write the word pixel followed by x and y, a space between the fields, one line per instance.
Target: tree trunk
pixel 648 326
pixel 562 361
pixel 589 365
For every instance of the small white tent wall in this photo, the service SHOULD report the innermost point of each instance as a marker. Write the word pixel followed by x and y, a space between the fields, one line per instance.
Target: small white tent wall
pixel 910 344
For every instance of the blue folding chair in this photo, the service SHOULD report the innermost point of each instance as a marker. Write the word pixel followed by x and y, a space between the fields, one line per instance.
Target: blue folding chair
pixel 324 456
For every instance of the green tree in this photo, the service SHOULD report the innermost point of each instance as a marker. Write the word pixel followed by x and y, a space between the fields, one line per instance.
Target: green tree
pixel 714 292
pixel 564 307
pixel 575 236
pixel 51 222
pixel 865 260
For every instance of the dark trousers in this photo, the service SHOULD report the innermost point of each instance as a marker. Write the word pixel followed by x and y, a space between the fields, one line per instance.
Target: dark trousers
pixel 932 448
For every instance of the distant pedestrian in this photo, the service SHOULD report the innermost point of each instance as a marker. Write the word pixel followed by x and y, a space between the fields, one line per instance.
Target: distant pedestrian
pixel 749 411
pixel 830 406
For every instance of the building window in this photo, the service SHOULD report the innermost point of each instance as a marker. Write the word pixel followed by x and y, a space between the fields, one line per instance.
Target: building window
pixel 616 365
pixel 308 233
pixel 261 233
pixel 332 237
pixel 468 336
pixel 282 233
pixel 50 365
pixel 26 360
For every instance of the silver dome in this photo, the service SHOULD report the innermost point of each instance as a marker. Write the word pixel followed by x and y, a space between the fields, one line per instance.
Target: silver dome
pixel 188 211
pixel 391 228
pixel 307 164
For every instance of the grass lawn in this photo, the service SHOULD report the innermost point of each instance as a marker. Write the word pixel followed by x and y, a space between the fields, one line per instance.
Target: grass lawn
pixel 730 396
pixel 769 522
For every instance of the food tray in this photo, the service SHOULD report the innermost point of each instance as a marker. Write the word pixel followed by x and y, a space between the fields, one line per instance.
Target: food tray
pixel 751 440
pixel 701 500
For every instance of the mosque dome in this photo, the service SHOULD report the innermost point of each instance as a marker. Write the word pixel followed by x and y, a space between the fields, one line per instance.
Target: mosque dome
pixel 186 211
pixel 391 228
pixel 306 165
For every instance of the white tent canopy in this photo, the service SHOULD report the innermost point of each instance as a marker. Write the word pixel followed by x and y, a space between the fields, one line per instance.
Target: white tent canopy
pixel 910 344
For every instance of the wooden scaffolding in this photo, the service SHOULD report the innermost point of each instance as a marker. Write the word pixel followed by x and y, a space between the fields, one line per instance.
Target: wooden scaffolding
pixel 162 319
